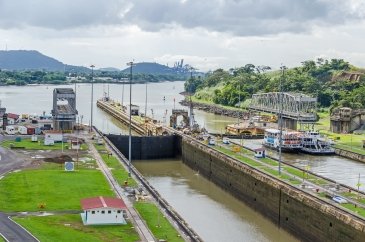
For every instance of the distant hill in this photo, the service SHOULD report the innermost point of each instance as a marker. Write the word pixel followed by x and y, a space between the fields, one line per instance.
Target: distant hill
pixel 28 60
pixel 33 60
pixel 154 68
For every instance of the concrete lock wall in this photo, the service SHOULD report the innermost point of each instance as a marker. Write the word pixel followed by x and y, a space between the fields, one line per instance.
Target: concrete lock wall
pixel 148 147
pixel 305 216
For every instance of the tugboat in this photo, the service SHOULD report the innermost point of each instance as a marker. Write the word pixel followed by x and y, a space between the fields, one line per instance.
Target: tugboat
pixel 291 141
pixel 313 143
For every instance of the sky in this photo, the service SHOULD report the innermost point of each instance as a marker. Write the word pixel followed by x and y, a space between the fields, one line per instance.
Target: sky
pixel 207 34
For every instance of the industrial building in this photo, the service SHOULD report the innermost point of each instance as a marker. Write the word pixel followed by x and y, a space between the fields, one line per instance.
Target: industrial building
pixel 64 109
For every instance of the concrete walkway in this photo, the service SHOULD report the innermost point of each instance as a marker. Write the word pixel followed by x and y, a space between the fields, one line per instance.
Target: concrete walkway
pixel 12 232
pixel 142 229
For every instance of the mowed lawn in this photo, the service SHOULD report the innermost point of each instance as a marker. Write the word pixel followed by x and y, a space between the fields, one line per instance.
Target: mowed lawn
pixel 157 223
pixel 39 145
pixel 54 187
pixel 65 228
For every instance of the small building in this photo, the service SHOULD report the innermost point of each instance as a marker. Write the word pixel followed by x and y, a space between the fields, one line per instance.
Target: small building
pixel 48 141
pixel 56 136
pixel 45 124
pixel 10 129
pixel 13 118
pixel 22 130
pixel 75 144
pixel 30 129
pixel 260 153
pixel 34 138
pixel 103 210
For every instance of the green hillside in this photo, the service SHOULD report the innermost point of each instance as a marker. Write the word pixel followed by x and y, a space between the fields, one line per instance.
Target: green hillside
pixel 335 82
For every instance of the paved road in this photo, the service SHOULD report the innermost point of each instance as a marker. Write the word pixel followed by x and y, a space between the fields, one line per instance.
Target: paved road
pixel 9 160
pixel 13 232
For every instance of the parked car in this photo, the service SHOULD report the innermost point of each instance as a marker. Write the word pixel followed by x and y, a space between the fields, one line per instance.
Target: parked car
pixel 339 199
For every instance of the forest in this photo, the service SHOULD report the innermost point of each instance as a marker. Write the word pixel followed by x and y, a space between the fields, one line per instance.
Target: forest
pixel 334 82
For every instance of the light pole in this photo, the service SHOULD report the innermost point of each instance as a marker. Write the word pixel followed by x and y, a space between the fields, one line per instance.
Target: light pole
pixel 130 118
pixel 145 107
pixel 92 97
pixel 281 115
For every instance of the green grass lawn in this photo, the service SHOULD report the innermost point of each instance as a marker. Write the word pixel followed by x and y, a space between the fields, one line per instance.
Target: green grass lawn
pixel 156 222
pixel 51 185
pixel 118 171
pixel 359 211
pixel 65 228
pixel 28 144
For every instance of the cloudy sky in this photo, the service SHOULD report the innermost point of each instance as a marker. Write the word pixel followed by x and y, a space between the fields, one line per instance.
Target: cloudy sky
pixel 207 34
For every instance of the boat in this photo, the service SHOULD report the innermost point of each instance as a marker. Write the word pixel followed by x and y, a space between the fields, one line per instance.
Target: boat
pixel 291 140
pixel 313 143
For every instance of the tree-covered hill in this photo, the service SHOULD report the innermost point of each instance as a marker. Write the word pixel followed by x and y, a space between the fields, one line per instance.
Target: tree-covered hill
pixel 335 82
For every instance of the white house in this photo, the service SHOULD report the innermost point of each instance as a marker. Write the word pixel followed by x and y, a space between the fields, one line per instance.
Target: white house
pixel 54 135
pixel 10 129
pixel 12 118
pixel 22 130
pixel 103 210
pixel 75 144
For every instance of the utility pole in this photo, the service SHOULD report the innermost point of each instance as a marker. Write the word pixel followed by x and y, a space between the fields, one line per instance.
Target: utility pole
pixel 145 106
pixel 92 97
pixel 130 118
pixel 122 96
pixel 191 102
pixel 281 114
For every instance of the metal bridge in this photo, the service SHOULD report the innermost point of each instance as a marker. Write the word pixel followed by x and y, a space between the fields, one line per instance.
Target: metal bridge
pixel 296 106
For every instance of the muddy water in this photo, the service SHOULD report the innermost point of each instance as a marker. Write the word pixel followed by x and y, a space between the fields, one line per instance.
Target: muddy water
pixel 213 213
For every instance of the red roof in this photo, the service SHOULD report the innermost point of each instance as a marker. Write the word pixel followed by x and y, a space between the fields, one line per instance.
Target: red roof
pixel 102 202
pixel 13 115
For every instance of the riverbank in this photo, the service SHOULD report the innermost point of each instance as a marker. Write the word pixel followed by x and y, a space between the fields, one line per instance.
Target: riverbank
pixel 217 109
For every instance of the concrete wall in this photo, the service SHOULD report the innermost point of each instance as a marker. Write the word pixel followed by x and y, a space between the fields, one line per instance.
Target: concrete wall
pixel 305 216
pixel 350 154
pixel 148 147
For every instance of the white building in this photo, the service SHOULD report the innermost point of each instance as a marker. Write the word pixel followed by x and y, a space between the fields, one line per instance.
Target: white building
pixel 22 130
pixel 10 129
pixel 103 210
pixel 75 144
pixel 54 135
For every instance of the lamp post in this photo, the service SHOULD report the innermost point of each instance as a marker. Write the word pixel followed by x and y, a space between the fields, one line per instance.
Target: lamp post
pixel 145 107
pixel 92 97
pixel 130 118
pixel 281 115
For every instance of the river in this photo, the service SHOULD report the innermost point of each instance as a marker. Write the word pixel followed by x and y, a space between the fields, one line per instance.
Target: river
pixel 214 214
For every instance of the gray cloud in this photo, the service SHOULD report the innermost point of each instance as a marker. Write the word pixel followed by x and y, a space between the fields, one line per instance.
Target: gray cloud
pixel 59 14
pixel 239 17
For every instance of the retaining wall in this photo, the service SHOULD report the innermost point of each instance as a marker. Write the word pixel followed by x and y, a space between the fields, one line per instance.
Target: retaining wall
pixel 350 155
pixel 148 147
pixel 303 215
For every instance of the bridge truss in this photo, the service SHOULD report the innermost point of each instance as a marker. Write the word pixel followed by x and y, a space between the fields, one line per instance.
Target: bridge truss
pixel 295 106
